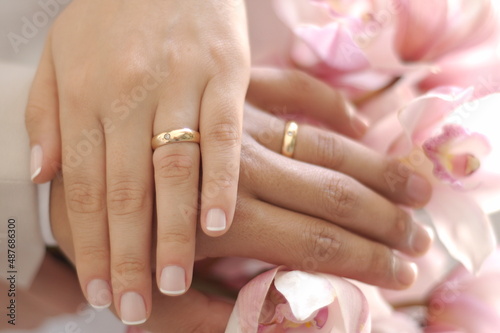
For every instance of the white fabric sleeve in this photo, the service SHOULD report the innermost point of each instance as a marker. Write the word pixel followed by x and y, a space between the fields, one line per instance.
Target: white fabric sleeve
pixel 44 214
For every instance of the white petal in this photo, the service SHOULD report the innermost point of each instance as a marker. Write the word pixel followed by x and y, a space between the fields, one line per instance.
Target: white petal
pixel 462 226
pixel 305 292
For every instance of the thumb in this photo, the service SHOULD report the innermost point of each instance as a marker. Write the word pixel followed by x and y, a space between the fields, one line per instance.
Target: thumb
pixel 42 121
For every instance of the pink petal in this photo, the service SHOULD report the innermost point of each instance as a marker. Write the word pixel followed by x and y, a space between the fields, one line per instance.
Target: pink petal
pixel 420 117
pixel 474 67
pixel 250 303
pixel 334 45
pixel 483 116
pixel 418 24
pixel 456 153
pixel 462 226
pixel 352 307
pixel 469 23
pixel 464 312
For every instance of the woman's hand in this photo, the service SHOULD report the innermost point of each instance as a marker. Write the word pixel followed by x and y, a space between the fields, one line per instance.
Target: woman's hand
pixel 312 217
pixel 305 216
pixel 114 74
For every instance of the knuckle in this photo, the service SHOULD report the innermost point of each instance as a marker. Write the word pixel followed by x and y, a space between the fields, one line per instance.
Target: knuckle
pixel 126 197
pixel 229 55
pixel 84 197
pixel 252 163
pixel 402 228
pixel 299 82
pixel 227 134
pixel 322 243
pixel 176 236
pixel 174 167
pixel 329 150
pixel 395 175
pixel 93 253
pixel 338 199
pixel 380 261
pixel 34 115
pixel 129 267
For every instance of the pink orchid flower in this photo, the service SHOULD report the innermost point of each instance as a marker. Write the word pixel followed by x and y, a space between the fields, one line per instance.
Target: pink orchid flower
pixel 455 141
pixel 466 302
pixel 363 45
pixel 294 301
pixel 336 41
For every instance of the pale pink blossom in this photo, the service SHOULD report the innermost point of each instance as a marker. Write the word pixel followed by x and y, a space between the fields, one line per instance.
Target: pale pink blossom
pixel 467 303
pixel 477 67
pixel 299 302
pixel 454 140
pixel 365 45
pixel 429 29
pixel 343 42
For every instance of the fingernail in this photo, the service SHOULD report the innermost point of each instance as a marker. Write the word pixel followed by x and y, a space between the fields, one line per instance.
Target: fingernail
pixel 36 161
pixel 133 309
pixel 404 271
pixel 418 189
pixel 421 239
pixel 358 124
pixel 99 294
pixel 173 280
pixel 216 220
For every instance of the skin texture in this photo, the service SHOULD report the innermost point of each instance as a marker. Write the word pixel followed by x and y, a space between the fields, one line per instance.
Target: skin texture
pixel 318 211
pixel 112 75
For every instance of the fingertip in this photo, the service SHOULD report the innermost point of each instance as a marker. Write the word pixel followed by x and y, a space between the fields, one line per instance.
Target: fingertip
pixel 43 167
pixel 133 309
pixel 418 190
pixel 359 126
pixel 405 272
pixel 36 161
pixel 216 222
pixel 99 294
pixel 422 240
pixel 173 281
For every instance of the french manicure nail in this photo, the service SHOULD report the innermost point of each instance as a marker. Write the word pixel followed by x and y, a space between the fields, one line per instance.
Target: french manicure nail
pixel 133 309
pixel 36 161
pixel 216 220
pixel 404 271
pixel 418 189
pixel 173 280
pixel 99 294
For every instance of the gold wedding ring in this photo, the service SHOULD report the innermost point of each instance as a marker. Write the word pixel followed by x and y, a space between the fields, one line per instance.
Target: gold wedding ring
pixel 179 135
pixel 289 138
